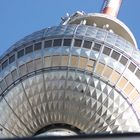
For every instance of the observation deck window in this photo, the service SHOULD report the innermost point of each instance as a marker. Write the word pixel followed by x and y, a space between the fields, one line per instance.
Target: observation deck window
pixel 115 55
pixel 123 60
pixel 20 53
pixel 132 67
pixel 11 59
pixel 138 73
pixel 87 44
pixel 96 47
pixel 37 46
pixel 77 43
pixel 48 43
pixel 28 49
pixel 67 42
pixel 106 51
pixel 4 64
pixel 57 42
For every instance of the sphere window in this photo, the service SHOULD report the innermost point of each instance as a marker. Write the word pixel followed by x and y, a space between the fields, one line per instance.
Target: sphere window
pixel 87 44
pixel 48 44
pixel 77 43
pixel 57 42
pixel 67 42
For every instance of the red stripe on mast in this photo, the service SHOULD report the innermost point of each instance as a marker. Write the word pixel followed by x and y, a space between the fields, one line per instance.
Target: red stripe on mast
pixel 111 7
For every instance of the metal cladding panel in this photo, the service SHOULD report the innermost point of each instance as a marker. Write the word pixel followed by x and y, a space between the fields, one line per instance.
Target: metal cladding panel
pixel 80 100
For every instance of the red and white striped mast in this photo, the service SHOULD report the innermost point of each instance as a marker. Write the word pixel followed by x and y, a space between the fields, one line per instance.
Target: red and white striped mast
pixel 111 7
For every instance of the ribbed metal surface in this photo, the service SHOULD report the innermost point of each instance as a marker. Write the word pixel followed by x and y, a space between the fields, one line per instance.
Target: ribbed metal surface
pixel 68 97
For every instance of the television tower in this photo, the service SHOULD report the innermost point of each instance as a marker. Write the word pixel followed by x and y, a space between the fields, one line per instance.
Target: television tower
pixel 81 76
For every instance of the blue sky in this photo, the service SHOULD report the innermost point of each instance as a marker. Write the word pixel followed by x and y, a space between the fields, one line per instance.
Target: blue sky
pixel 19 18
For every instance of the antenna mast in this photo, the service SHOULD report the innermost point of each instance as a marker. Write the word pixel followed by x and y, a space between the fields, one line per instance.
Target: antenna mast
pixel 111 7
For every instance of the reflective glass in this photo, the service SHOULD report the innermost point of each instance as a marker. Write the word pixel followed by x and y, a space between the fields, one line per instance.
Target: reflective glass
pixel 57 42
pixel 132 67
pixel 48 44
pixel 11 59
pixel 123 60
pixel 138 73
pixel 87 44
pixel 115 55
pixel 77 42
pixel 106 51
pixel 20 53
pixel 37 46
pixel 4 64
pixel 28 49
pixel 67 42
pixel 96 47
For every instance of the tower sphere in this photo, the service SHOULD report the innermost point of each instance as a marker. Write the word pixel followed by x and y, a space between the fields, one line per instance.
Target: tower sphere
pixel 81 76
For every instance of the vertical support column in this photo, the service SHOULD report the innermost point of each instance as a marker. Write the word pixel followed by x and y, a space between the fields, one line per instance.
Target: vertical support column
pixel 111 7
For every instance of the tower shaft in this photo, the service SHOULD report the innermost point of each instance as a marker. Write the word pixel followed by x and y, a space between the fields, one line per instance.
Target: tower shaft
pixel 111 7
